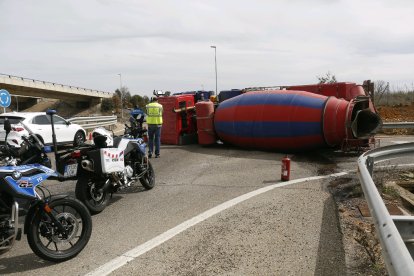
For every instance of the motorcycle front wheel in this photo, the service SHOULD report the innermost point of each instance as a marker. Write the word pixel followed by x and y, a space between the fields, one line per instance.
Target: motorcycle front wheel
pixel 148 179
pixel 87 192
pixel 48 242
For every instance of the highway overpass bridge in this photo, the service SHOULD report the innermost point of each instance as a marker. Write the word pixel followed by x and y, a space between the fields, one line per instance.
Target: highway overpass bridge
pixel 26 88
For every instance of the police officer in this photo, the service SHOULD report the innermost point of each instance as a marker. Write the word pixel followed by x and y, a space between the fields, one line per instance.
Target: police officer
pixel 154 122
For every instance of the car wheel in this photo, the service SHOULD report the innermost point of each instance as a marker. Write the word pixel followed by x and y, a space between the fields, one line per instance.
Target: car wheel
pixel 79 139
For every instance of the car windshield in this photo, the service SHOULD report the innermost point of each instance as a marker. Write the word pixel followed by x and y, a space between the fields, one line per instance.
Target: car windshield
pixel 12 119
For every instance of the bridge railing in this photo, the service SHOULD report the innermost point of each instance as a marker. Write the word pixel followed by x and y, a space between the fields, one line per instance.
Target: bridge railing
pixel 10 79
pixel 395 233
pixel 94 122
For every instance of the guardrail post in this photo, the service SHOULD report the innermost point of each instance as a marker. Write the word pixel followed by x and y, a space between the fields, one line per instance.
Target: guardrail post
pixel 370 165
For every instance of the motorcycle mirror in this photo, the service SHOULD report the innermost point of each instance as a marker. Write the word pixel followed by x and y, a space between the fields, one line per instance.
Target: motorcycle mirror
pixel 7 126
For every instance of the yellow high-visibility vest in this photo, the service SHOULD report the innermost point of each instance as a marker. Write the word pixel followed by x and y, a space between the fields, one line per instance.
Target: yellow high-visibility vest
pixel 154 113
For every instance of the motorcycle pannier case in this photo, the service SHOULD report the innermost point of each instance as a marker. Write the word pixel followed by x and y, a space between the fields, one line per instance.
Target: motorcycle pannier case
pixel 107 160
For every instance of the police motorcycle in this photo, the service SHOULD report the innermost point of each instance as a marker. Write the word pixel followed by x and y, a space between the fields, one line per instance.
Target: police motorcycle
pixel 57 227
pixel 110 165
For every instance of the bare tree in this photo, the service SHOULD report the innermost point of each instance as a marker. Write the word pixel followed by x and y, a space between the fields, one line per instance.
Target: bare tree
pixel 125 95
pixel 328 78
pixel 380 88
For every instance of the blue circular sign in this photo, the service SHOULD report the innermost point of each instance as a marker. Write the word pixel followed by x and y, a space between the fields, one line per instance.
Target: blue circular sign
pixel 5 98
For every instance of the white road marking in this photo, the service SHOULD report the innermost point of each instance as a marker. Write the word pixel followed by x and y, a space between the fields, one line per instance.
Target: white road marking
pixel 130 255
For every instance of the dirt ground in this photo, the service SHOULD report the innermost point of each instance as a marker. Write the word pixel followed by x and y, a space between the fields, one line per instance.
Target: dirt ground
pixel 398 113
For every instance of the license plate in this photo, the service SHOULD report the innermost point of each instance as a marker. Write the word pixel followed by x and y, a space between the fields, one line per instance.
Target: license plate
pixel 71 170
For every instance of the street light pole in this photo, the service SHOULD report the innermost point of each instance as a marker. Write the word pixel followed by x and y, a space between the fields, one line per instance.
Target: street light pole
pixel 120 92
pixel 215 62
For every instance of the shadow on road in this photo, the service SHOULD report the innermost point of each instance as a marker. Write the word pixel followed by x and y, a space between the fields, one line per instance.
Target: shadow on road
pixel 331 254
pixel 22 263
pixel 223 150
pixel 136 188
pixel 118 196
pixel 325 156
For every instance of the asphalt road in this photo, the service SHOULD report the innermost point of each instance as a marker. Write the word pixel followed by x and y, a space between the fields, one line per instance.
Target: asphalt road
pixel 289 230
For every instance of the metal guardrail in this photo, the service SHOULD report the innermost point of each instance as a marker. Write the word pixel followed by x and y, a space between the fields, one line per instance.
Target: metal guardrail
pixel 93 122
pixel 392 125
pixel 395 233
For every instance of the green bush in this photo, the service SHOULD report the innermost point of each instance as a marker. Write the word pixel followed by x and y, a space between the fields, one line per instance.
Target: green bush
pixel 107 105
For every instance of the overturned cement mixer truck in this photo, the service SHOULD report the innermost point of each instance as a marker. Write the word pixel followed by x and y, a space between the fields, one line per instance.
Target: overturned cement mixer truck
pixel 287 119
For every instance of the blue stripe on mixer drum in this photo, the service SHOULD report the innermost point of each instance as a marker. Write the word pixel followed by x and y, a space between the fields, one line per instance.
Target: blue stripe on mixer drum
pixel 274 99
pixel 269 129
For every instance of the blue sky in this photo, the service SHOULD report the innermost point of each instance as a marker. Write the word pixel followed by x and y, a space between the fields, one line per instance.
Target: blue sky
pixel 165 45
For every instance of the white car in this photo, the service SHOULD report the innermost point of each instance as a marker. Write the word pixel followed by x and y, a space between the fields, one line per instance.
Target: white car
pixel 39 123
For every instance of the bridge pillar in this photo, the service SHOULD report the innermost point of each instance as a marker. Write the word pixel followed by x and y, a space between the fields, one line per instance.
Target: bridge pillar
pixel 95 105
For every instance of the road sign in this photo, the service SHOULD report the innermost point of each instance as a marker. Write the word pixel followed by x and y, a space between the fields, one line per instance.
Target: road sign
pixel 5 98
